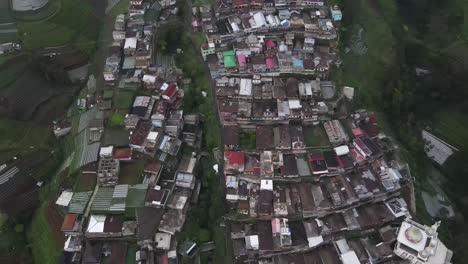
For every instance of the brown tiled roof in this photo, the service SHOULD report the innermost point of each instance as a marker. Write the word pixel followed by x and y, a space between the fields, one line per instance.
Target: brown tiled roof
pixel 122 153
pixel 113 224
pixel 264 137
pixel 153 167
pixel 231 135
pixel 140 133
pixel 69 222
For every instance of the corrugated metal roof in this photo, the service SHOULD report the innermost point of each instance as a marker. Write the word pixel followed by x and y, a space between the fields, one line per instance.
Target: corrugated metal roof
pixel 102 201
pixel 136 195
pixel 8 174
pixel 78 202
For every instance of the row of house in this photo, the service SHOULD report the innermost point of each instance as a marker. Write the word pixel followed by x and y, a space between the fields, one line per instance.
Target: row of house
pixel 320 183
pixel 136 187
pixel 272 41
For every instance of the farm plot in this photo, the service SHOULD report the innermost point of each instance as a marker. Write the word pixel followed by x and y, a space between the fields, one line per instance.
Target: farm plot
pixel 16 135
pixel 453 128
pixel 73 22
pixel 38 89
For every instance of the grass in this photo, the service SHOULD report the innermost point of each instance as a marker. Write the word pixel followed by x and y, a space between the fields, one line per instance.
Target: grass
pixel 361 71
pixel 247 140
pixel 315 136
pixel 74 22
pixel 120 8
pixel 452 127
pixel 17 135
pixel 11 70
pixel 85 182
pixel 117 119
pixel 123 100
pixel 131 173
pixel 44 247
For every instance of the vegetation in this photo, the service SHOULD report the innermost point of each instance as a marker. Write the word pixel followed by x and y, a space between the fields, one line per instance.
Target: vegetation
pixel 203 220
pixel 315 136
pixel 420 83
pixel 73 23
pixel 19 136
pixel 44 247
pixel 248 140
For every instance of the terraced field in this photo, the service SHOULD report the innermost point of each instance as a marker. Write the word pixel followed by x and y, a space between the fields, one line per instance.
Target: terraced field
pixel 452 127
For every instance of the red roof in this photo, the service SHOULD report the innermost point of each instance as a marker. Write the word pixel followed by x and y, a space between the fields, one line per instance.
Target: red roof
pixel 373 119
pixel 140 133
pixel 69 222
pixel 237 3
pixel 153 167
pixel 234 158
pixel 170 91
pixel 163 259
pixel 270 43
pixel 122 154
pixel 357 132
pixel 271 63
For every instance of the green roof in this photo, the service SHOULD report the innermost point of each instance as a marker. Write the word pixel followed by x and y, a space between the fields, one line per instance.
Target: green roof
pixel 136 195
pixel 78 202
pixel 229 59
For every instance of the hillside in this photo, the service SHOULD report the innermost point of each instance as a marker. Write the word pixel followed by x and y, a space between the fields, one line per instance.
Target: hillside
pixel 407 58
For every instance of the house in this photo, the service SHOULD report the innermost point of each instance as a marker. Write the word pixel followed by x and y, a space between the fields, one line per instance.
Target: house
pixel 335 132
pixel 437 149
pixel 118 35
pixel 336 13
pixel 170 93
pixel 174 123
pixel 119 22
pixel 289 168
pixel 130 46
pixel 101 226
pixel 234 161
pixel 231 137
pixel 136 2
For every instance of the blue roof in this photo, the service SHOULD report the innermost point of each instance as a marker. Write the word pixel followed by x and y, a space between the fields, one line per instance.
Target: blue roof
pixel 298 63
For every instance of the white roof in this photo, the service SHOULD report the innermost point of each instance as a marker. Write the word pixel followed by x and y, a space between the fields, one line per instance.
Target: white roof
pixel 130 43
pixel 164 86
pixel 153 135
pixel 259 20
pixel 64 198
pixel 141 101
pixel 412 236
pixel 341 150
pixel 245 87
pixel 252 241
pixel 106 151
pixel 314 241
pixel 348 92
pixel 294 104
pixel 147 78
pixel 266 185
pixel 350 257
pixel 96 224
pixel 436 149
pixel 163 241
pixel 235 27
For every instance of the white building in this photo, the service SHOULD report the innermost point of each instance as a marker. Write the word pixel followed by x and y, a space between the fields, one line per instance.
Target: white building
pixel 419 244
pixel 436 149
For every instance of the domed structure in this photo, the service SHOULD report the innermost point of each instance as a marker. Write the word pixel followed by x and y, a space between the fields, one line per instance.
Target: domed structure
pixel 414 234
